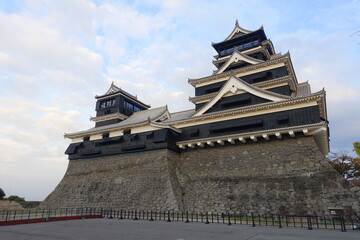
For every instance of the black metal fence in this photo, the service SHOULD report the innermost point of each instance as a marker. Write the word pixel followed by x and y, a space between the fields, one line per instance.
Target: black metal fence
pixel 10 217
pixel 303 221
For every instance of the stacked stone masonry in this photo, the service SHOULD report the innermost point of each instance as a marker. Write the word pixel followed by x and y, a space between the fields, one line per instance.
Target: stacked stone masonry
pixel 289 176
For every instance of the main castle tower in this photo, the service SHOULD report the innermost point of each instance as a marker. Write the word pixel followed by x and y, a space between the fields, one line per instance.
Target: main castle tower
pixel 255 140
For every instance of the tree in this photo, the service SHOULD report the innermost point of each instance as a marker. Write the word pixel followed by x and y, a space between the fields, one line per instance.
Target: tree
pixel 357 148
pixel 2 194
pixel 15 198
pixel 347 166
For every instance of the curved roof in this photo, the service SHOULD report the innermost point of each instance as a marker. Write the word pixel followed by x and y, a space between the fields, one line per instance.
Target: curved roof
pixel 237 56
pixel 135 119
pixel 238 32
pixel 116 90
pixel 237 29
pixel 233 85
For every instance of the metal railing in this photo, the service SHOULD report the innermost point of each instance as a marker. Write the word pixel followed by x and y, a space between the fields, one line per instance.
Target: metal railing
pixel 303 221
pixel 10 217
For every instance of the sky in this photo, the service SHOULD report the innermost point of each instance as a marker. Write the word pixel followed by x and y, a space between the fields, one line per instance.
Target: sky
pixel 55 56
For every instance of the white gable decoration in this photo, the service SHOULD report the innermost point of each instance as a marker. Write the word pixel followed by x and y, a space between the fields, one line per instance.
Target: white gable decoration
pixel 233 85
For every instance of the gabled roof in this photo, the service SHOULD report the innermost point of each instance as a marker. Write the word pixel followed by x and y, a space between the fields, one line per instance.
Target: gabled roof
pixel 177 116
pixel 237 30
pixel 137 118
pixel 234 84
pixel 114 90
pixel 235 57
pixel 266 84
pixel 279 59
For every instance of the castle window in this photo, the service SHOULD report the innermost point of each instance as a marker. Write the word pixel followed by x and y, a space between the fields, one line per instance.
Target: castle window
pixel 128 105
pixel 134 138
pixel 230 50
pixel 105 135
pixel 86 138
pixel 150 135
pixel 247 45
pixel 195 133
pixel 212 90
pixel 107 103
pixel 127 132
pixel 282 119
pixel 136 109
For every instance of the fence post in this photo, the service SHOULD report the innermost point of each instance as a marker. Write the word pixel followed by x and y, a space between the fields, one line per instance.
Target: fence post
pixel 325 221
pixel 207 218
pixel 187 217
pixel 279 217
pixel 168 215
pixel 309 222
pixel 121 215
pixel 342 223
pixel 253 220
pixel 136 218
pixel 111 216
pixel 151 217
pixel 14 215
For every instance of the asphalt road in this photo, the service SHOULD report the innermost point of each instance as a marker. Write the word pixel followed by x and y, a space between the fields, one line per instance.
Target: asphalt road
pixel 102 229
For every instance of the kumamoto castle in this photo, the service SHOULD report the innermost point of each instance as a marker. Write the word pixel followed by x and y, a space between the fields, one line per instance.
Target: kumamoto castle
pixel 255 141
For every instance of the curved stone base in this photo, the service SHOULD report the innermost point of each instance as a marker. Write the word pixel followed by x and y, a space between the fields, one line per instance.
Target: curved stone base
pixel 289 176
pixel 133 181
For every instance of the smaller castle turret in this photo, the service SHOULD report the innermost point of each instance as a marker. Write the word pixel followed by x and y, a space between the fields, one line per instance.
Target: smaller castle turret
pixel 115 106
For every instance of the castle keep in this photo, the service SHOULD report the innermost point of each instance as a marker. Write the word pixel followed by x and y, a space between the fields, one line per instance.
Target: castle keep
pixel 255 141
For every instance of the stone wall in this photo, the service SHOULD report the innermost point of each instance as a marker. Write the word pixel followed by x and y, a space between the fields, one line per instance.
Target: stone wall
pixel 10 205
pixel 136 180
pixel 289 176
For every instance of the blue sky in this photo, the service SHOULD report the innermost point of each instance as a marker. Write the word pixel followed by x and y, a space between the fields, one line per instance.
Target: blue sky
pixel 55 56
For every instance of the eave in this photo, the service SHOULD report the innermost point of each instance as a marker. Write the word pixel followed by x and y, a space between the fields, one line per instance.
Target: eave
pixel 268 42
pixel 284 59
pixel 259 31
pixel 109 117
pixel 262 48
pixel 121 126
pixel 125 94
pixel 234 85
pixel 111 129
pixel 250 109
pixel 317 130
pixel 250 51
pixel 264 85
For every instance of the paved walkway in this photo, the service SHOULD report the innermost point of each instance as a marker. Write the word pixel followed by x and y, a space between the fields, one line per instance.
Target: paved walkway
pixel 103 229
